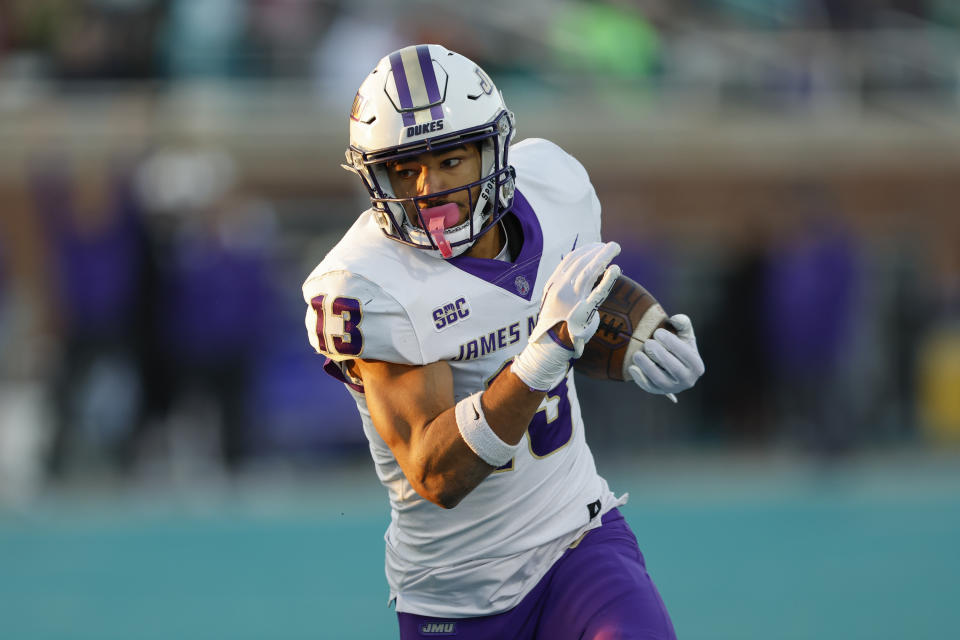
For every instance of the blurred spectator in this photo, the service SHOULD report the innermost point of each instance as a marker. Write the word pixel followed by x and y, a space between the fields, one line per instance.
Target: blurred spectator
pixel 97 240
pixel 214 247
pixel 810 294
pixel 739 388
pixel 219 297
pixel 3 284
pixel 297 410
pixel 939 384
pixel 938 357
pixel 906 318
pixel 6 322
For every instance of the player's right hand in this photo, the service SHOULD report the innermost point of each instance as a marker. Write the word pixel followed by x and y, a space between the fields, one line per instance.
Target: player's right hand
pixel 668 363
pixel 575 290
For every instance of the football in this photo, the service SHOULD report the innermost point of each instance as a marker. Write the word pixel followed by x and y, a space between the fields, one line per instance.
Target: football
pixel 628 317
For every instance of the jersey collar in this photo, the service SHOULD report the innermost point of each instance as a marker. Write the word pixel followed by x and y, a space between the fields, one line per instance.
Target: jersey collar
pixel 520 277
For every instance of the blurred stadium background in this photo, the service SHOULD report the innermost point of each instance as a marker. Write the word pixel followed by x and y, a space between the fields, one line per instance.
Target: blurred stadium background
pixel 173 461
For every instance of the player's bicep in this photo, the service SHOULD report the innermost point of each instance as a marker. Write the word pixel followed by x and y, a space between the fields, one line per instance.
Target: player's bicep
pixel 404 399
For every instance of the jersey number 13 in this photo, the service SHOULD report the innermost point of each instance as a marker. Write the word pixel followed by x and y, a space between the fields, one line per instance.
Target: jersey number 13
pixel 338 325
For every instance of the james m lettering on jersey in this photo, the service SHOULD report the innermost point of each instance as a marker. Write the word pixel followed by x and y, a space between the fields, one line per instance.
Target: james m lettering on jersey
pixel 494 341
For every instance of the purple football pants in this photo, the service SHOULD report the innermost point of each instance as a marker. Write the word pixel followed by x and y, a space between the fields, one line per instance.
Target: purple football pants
pixel 598 590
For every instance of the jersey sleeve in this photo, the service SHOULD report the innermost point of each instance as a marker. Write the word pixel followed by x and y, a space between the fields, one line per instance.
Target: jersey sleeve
pixel 349 317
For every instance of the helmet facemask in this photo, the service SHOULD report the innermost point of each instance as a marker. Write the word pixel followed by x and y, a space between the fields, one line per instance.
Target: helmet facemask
pixel 493 198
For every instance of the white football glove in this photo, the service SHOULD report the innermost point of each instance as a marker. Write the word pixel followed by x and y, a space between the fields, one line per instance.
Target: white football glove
pixel 571 295
pixel 668 363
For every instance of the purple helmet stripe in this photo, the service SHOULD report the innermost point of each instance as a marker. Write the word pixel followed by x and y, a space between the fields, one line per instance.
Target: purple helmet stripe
pixel 403 91
pixel 430 80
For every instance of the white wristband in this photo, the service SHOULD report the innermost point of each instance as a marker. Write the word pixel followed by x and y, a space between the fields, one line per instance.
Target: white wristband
pixel 478 435
pixel 542 364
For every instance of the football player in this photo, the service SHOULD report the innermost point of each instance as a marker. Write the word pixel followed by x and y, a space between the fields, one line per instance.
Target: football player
pixel 451 310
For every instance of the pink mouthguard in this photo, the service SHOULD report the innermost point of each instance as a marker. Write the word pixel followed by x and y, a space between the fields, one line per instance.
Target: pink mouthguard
pixel 438 219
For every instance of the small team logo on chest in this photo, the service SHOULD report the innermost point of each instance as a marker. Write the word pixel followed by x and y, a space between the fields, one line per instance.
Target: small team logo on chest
pixel 522 285
pixel 451 312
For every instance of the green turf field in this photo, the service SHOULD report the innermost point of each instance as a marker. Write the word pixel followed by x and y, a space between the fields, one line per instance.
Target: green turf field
pixel 741 548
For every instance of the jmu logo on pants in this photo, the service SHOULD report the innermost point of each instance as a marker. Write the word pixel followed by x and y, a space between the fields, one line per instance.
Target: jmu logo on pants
pixel 438 628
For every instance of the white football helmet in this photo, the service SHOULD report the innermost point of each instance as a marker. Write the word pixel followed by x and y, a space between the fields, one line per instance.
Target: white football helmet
pixel 426 98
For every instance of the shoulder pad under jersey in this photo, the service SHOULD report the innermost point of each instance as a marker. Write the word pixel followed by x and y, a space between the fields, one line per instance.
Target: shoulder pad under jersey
pixel 547 174
pixel 350 317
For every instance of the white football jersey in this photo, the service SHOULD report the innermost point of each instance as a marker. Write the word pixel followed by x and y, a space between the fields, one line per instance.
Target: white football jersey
pixel 373 297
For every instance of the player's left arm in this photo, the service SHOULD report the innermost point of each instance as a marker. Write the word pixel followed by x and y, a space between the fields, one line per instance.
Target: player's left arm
pixel 668 363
